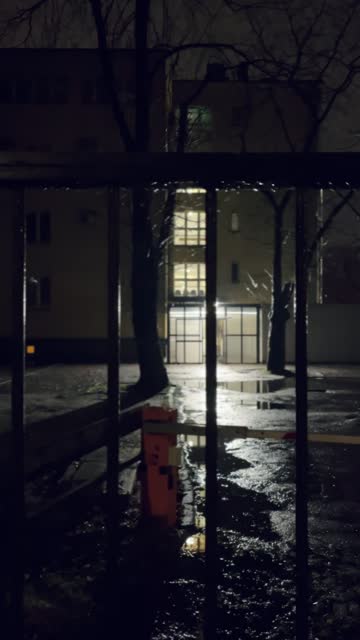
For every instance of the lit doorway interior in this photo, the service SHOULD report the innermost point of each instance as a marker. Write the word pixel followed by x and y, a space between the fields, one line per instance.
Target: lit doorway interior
pixel 237 334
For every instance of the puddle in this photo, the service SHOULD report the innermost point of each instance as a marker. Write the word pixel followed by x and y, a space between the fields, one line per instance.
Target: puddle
pixel 244 386
pixel 257 386
pixel 256 552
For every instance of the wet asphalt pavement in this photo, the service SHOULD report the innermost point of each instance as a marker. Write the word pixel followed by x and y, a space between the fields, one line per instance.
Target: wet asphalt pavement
pixel 256 501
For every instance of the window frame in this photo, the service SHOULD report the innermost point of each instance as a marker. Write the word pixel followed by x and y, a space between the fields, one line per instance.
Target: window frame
pixel 38 227
pixel 234 227
pixel 190 284
pixel 87 144
pixel 188 230
pixel 38 295
pixel 235 277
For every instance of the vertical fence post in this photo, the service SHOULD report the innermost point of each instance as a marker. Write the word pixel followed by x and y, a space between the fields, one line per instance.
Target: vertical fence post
pixel 113 350
pixel 211 418
pixel 18 419
pixel 302 568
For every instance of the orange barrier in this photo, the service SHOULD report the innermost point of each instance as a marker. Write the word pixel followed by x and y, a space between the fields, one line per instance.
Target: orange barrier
pixel 159 474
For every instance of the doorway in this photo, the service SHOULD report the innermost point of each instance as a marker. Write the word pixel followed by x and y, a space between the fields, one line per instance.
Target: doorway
pixel 237 334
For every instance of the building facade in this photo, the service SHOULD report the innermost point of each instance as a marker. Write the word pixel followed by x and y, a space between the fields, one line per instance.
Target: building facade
pixel 56 101
pixel 232 115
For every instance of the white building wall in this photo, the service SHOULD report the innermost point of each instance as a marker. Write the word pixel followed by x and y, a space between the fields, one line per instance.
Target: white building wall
pixel 333 334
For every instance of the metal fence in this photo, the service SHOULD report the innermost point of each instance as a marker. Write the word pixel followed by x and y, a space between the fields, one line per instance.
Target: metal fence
pixel 212 172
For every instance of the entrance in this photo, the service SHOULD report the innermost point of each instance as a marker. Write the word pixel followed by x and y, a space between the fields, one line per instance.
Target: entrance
pixel 237 334
pixel 187 334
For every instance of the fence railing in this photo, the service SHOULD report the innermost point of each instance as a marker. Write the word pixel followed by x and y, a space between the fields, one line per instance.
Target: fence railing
pixel 211 171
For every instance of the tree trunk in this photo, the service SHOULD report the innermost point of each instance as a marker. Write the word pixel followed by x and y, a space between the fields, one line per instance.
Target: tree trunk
pixel 144 280
pixel 281 298
pixel 277 331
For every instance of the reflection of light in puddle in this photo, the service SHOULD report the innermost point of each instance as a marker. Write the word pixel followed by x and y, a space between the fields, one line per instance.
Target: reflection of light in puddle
pixel 242 386
pixel 195 543
pixel 195 441
pixel 200 521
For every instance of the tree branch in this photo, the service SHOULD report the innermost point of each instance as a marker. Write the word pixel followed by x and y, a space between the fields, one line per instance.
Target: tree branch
pixel 108 71
pixel 325 227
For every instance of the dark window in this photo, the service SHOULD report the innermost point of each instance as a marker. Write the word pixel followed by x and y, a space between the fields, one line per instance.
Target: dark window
pixel 60 90
pixel 87 91
pixel 39 292
pixel 38 227
pixel 237 116
pixel 240 115
pixel 87 144
pixel 88 216
pixel 42 95
pixel 45 292
pixel 45 229
pixel 94 91
pixel 102 94
pixel 7 144
pixel 31 227
pixel 32 290
pixel 6 90
pixel 234 272
pixel 23 90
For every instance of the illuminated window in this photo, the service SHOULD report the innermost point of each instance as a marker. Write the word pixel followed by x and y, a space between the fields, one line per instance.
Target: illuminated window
pixel 190 228
pixel 199 124
pixel 199 117
pixel 235 222
pixel 189 279
pixel 191 190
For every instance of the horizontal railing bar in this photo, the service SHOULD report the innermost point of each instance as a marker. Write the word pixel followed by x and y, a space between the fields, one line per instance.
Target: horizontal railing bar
pixel 260 170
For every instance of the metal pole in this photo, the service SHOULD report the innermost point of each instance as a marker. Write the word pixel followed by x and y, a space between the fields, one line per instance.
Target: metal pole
pixel 302 566
pixel 112 470
pixel 18 419
pixel 211 418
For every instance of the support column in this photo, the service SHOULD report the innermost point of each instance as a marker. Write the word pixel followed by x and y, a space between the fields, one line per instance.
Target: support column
pixel 17 524
pixel 302 551
pixel 211 418
pixel 113 390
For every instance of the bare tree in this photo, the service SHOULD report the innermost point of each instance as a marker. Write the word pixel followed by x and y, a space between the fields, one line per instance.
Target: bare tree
pixel 311 48
pixel 111 22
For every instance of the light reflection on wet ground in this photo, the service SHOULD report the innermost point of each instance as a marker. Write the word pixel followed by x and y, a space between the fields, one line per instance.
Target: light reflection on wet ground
pixel 256 519
pixel 256 511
